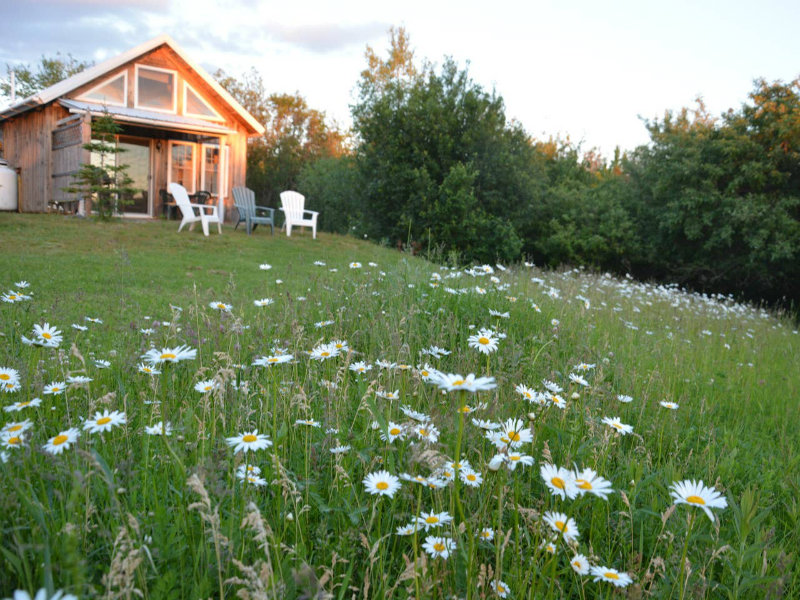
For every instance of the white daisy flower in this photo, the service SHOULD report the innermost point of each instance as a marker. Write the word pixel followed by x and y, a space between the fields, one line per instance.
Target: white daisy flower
pixel 562 524
pixel 438 546
pixel 61 442
pixel 617 578
pixel 696 493
pixel 104 421
pixel 559 481
pixel 381 483
pixel 249 440
pixel 159 429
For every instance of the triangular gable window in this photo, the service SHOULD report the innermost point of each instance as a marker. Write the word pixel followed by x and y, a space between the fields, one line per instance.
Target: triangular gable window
pixel 195 106
pixel 113 91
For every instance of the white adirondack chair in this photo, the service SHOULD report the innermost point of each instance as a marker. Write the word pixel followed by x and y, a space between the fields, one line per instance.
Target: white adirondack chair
pixel 293 207
pixel 188 210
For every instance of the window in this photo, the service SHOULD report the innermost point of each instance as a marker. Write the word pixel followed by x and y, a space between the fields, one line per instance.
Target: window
pixel 156 89
pixel 210 176
pixel 113 91
pixel 181 165
pixel 195 106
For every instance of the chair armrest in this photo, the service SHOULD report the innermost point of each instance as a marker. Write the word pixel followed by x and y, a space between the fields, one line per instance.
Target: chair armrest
pixel 310 212
pixel 271 211
pixel 203 207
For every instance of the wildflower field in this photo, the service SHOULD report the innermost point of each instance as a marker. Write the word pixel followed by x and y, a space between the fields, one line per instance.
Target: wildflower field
pixel 263 417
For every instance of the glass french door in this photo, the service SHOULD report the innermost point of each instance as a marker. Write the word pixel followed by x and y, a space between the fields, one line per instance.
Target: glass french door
pixel 137 156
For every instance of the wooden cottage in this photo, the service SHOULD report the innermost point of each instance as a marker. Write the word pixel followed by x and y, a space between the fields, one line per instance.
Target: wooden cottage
pixel 178 125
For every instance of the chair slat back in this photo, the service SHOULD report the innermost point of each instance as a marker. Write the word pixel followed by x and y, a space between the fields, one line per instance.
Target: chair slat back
pixel 181 199
pixel 293 204
pixel 245 201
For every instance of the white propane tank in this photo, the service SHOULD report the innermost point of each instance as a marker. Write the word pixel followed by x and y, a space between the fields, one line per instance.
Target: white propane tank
pixel 8 187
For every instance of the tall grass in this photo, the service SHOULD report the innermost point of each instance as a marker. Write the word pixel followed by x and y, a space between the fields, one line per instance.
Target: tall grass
pixel 124 514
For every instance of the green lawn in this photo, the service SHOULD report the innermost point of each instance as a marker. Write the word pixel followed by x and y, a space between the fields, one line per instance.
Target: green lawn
pixel 122 513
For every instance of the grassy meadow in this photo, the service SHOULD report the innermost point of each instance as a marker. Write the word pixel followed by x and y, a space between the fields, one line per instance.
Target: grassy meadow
pixel 220 478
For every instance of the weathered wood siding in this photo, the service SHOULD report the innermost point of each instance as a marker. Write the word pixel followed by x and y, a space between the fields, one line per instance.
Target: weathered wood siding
pixel 27 143
pixel 68 155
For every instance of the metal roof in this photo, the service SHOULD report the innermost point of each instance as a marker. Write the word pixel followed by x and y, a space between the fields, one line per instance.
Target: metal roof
pixel 159 120
pixel 65 86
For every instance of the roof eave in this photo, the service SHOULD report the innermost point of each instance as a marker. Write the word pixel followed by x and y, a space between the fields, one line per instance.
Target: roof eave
pixel 64 87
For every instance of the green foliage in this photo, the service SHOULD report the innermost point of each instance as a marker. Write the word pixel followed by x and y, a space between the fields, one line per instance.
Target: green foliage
pixel 103 182
pixel 296 136
pixel 429 134
pixel 331 186
pixel 455 217
pixel 718 201
pixel 49 71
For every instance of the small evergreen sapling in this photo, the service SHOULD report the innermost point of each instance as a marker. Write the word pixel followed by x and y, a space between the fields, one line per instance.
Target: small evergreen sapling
pixel 103 183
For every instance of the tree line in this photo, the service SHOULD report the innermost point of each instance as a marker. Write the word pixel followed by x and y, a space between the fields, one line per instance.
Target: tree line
pixel 432 162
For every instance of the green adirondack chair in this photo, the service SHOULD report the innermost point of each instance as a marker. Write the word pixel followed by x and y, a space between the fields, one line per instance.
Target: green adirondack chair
pixel 250 214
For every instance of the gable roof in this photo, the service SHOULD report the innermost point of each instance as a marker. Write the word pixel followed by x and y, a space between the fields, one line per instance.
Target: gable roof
pixel 69 84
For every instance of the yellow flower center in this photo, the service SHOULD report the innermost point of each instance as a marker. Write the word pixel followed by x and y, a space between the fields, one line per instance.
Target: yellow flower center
pixel 46 335
pixel 59 439
pixel 14 440
pixel 485 534
pixel 501 589
pixel 382 485
pixel 423 432
pixel 21 404
pixel 583 484
pixel 558 482
pixel 471 477
pixel 516 457
pixel 439 547
pixel 483 341
pixel 577 564
pixel 459 382
pixel 14 428
pixel 220 305
pixel 513 436
pixel 249 438
pixel 104 421
pixel 55 388
pixel 616 426
pixel 610 575
pixel 432 520
pixel 695 500
pixel 207 388
pixel 167 356
pixel 424 373
pixel 5 376
pixel 324 353
pixel 272 359
pixel 394 431
pixel 561 526
pixel 465 409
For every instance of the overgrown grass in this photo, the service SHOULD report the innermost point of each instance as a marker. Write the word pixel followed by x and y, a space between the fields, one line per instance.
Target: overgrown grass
pixel 123 513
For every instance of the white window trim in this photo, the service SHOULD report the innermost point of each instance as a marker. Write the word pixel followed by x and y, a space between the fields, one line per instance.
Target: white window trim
pixel 217 116
pixel 136 104
pixel 194 164
pixel 219 168
pixel 225 159
pixel 105 82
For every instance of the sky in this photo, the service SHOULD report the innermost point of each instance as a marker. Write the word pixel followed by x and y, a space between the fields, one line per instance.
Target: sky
pixel 590 70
